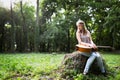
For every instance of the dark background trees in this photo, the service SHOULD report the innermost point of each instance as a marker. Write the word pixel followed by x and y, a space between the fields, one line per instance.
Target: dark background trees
pixel 51 25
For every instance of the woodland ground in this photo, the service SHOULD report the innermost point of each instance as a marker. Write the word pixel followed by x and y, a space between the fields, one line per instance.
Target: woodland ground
pixel 33 66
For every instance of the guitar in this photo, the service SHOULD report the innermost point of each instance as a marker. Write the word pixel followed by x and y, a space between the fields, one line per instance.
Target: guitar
pixel 85 49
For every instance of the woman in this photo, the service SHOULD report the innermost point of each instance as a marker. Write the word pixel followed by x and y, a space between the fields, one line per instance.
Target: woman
pixel 84 38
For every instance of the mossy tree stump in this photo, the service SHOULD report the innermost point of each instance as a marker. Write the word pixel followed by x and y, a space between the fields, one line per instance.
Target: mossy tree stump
pixel 74 63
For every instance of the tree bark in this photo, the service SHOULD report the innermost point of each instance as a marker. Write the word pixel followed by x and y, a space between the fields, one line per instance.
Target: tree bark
pixel 74 64
pixel 12 30
pixel 68 44
pixel 36 30
pixel 25 31
pixel 2 37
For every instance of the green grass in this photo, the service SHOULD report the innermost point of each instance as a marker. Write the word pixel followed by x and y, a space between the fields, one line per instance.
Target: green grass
pixel 112 59
pixel 31 66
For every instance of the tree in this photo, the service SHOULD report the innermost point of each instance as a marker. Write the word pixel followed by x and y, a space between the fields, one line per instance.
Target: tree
pixel 12 30
pixel 51 26
pixel 36 43
pixel 25 31
pixel 28 12
pixel 112 23
pixel 5 30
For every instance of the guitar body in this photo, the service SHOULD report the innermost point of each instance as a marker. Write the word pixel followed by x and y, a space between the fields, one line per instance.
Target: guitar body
pixel 85 49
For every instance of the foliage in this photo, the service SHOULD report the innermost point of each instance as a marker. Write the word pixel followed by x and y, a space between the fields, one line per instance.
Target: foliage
pixel 57 26
pixel 35 66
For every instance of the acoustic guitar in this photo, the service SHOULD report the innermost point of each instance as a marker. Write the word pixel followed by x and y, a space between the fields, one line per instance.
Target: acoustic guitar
pixel 85 49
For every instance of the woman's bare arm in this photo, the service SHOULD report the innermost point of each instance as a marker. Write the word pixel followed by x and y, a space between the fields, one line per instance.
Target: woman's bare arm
pixel 92 43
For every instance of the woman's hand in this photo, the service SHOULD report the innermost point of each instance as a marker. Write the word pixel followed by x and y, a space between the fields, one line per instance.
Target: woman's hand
pixel 93 46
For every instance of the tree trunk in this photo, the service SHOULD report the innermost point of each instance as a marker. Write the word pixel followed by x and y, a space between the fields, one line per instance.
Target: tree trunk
pixel 12 30
pixel 74 64
pixel 68 44
pixel 113 37
pixel 25 31
pixel 2 37
pixel 36 30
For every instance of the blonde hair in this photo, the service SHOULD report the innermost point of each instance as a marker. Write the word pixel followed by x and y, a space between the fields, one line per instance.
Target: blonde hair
pixel 84 27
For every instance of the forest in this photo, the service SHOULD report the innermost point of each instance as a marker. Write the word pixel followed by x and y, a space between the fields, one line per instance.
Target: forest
pixel 50 26
pixel 38 38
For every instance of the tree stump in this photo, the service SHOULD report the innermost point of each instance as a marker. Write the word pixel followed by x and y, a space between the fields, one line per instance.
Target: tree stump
pixel 74 63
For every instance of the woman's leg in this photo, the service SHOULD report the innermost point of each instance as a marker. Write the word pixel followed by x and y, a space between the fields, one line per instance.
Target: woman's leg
pixel 89 62
pixel 100 62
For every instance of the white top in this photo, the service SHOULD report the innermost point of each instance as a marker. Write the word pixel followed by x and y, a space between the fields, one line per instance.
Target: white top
pixel 85 38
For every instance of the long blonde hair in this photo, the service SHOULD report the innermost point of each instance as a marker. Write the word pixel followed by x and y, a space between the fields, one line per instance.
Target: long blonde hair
pixel 84 27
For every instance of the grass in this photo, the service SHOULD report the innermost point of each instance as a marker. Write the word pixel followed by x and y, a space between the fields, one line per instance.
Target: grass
pixel 32 66
pixel 112 59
